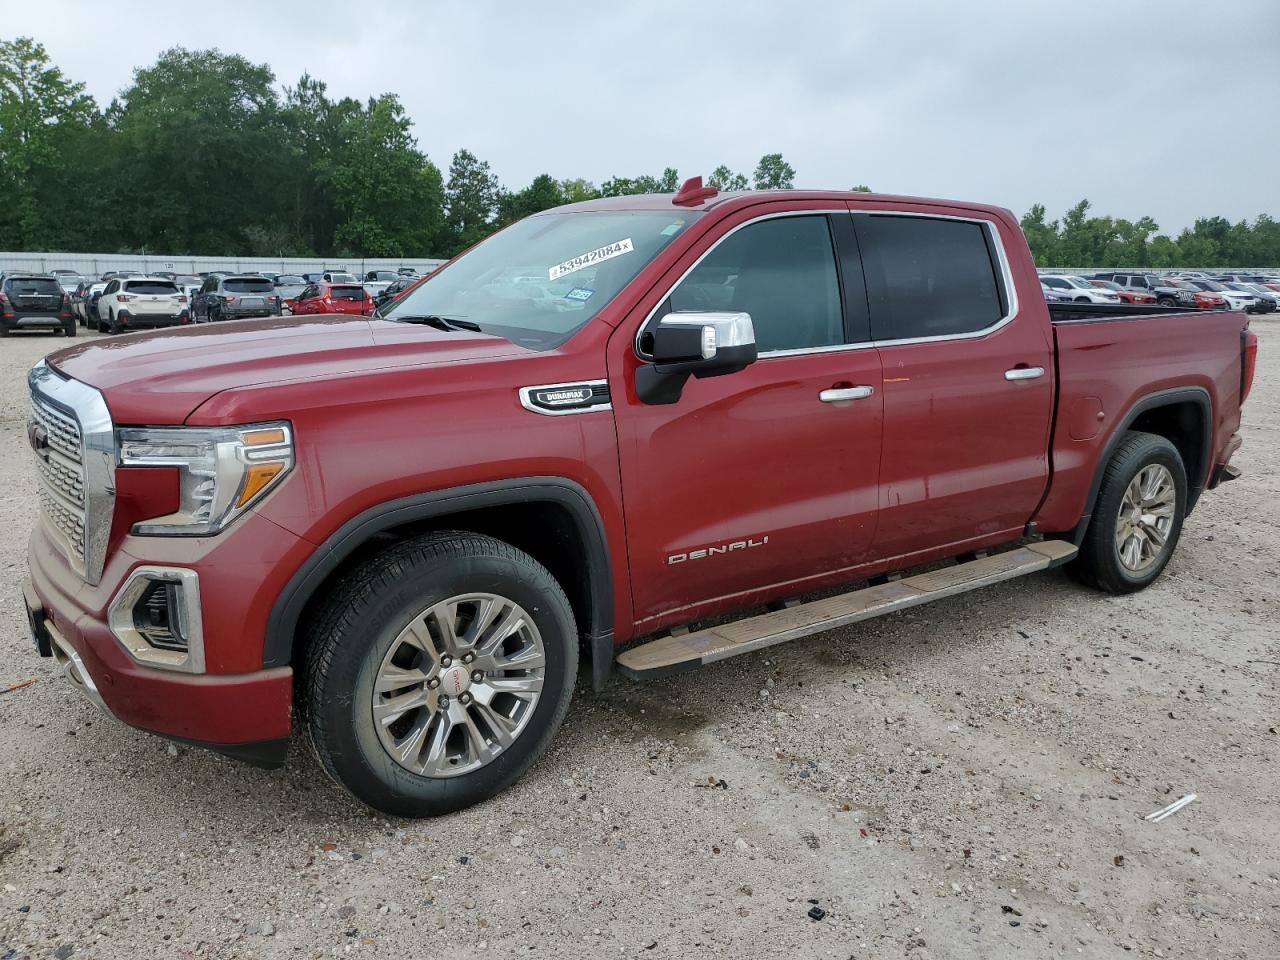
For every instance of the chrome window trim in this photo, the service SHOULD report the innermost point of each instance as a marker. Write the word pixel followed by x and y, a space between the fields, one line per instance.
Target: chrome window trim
pixel 98 452
pixel 528 404
pixel 120 619
pixel 991 227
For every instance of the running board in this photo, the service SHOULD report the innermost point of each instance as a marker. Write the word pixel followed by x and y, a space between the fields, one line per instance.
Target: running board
pixel 679 652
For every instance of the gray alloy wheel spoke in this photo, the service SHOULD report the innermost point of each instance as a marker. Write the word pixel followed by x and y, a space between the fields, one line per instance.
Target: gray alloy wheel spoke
pixel 458 685
pixel 1146 516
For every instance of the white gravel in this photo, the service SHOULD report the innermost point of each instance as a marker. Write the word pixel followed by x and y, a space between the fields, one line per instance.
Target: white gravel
pixel 965 780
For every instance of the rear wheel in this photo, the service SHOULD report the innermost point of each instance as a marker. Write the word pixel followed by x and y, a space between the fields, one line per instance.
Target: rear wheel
pixel 1167 302
pixel 1137 517
pixel 438 672
pixel 1082 299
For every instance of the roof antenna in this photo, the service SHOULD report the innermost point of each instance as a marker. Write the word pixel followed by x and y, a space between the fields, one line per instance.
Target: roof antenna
pixel 692 193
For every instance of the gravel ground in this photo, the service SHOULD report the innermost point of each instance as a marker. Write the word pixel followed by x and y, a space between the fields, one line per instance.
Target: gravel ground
pixel 964 780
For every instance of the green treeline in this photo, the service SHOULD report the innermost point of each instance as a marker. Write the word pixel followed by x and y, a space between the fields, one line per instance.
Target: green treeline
pixel 203 154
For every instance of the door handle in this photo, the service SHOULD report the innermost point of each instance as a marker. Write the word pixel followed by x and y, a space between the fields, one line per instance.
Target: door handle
pixel 1024 373
pixel 836 394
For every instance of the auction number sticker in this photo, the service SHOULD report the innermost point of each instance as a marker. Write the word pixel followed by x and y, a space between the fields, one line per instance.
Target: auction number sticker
pixel 599 255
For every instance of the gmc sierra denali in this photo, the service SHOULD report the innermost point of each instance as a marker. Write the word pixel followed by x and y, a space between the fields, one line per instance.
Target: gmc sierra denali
pixel 611 427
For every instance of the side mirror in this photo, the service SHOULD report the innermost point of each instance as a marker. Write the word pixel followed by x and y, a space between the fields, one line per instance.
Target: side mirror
pixel 699 344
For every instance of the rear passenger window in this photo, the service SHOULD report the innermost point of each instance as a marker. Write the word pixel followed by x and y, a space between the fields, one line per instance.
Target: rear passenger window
pixel 928 277
pixel 782 271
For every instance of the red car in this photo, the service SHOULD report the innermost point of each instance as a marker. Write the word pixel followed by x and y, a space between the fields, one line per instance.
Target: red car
pixel 1205 299
pixel 594 431
pixel 348 298
pixel 1128 296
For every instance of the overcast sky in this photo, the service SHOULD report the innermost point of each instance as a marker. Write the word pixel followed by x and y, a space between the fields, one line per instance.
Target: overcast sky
pixel 1167 108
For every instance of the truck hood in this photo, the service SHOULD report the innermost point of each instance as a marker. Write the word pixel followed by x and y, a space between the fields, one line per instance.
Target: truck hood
pixel 160 378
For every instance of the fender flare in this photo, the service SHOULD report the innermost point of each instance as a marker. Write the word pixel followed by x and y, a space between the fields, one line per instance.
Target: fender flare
pixel 1161 398
pixel 282 623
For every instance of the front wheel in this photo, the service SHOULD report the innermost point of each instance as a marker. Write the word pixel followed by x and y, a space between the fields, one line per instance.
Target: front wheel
pixel 438 672
pixel 1167 302
pixel 1137 517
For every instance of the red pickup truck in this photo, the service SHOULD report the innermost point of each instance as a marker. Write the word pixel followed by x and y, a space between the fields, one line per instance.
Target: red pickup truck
pixel 611 427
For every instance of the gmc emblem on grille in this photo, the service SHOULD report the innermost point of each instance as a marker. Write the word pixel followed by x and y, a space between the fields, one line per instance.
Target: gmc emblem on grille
pixel 38 437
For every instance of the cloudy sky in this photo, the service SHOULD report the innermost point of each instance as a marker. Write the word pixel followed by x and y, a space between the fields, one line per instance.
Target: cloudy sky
pixel 1167 108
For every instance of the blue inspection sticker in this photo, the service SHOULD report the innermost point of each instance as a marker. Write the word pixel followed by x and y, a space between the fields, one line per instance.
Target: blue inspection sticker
pixel 581 294
pixel 672 229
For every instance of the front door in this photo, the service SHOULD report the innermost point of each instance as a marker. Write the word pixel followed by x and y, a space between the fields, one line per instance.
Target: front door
pixel 755 483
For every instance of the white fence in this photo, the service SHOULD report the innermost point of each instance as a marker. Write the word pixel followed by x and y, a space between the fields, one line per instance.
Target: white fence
pixel 95 264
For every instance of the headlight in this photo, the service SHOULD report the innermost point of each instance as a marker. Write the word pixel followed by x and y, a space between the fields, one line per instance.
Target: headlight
pixel 222 470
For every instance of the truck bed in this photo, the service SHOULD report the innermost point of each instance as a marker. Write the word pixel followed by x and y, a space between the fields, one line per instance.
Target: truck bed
pixel 1111 359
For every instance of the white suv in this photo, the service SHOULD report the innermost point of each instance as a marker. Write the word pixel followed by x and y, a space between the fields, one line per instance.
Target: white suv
pixel 132 303
pixel 1079 289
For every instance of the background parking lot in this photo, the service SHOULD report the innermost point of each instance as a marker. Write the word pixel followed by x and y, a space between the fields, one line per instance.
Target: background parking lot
pixel 963 780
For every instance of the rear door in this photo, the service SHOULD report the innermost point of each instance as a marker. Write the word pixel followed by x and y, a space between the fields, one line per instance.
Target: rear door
pixel 752 483
pixel 36 298
pixel 968 380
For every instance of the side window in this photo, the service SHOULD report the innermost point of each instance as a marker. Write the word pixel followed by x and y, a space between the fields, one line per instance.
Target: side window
pixel 782 271
pixel 1055 283
pixel 112 287
pixel 929 277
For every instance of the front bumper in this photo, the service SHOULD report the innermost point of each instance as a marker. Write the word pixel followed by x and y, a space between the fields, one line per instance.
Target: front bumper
pixel 244 715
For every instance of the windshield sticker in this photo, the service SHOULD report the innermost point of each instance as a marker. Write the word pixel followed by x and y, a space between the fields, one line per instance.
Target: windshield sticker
pixel 581 294
pixel 671 229
pixel 607 252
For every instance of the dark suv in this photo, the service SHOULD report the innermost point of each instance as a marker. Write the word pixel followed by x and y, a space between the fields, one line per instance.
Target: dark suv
pixel 35 303
pixel 235 298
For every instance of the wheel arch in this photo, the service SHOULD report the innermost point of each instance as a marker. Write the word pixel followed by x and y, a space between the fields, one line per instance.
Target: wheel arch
pixel 551 518
pixel 1184 417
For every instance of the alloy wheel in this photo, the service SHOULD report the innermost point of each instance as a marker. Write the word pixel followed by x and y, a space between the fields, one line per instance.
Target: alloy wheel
pixel 1146 517
pixel 458 685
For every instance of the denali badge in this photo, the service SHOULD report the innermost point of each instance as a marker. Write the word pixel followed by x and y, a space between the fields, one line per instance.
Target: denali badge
pixel 557 398
pixel 718 548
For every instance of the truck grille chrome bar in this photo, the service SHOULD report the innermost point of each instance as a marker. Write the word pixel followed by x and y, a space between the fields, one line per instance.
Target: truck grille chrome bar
pixel 73 439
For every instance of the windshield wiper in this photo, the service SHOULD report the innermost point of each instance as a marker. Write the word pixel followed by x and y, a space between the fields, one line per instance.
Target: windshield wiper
pixel 440 323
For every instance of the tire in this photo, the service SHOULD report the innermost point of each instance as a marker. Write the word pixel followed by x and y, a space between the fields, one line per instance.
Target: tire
pixel 1082 300
pixel 112 327
pixel 359 635
pixel 1104 561
pixel 1166 302
pixel 69 330
pixel 212 316
pixel 102 326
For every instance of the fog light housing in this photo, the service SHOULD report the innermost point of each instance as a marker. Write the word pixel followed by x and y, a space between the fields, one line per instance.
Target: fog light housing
pixel 156 617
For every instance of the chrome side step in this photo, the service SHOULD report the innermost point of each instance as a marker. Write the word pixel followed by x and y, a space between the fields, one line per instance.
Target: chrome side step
pixel 678 652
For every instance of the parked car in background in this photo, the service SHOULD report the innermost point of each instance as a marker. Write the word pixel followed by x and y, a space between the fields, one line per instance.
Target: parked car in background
pixel 237 297
pixel 80 299
pixel 289 285
pixel 393 290
pixel 1052 294
pixel 1268 300
pixel 348 298
pixel 407 272
pixel 141 303
pixel 375 281
pixel 1080 289
pixel 35 302
pixel 1234 299
pixel 189 283
pixel 69 279
pixel 338 276
pixel 1166 294
pixel 1200 299
pixel 1128 296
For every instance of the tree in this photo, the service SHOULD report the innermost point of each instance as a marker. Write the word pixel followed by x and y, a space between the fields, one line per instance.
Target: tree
pixel 722 178
pixel 668 182
pixel 471 201
pixel 577 190
pixel 542 194
pixel 774 173
pixel 1041 236
pixel 860 188
pixel 50 129
pixel 196 156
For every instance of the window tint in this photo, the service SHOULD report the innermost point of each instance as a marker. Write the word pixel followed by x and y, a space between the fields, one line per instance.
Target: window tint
pixel 1055 283
pixel 782 272
pixel 288 280
pixel 929 278
pixel 242 285
pixel 346 293
pixel 152 287
pixel 39 286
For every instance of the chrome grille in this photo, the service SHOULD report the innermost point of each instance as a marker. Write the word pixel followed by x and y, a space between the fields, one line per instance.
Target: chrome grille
pixel 61 472
pixel 74 442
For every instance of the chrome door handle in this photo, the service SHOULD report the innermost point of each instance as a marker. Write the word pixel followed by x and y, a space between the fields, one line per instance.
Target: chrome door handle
pixel 1024 373
pixel 836 394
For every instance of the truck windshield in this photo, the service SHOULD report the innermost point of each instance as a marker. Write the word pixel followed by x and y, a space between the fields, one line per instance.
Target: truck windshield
pixel 538 281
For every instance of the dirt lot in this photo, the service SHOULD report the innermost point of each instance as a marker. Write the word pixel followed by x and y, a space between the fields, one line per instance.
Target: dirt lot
pixel 965 780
